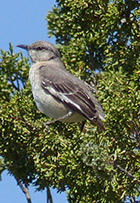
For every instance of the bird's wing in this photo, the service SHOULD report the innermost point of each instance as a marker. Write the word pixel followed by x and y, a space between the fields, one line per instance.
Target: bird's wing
pixel 70 90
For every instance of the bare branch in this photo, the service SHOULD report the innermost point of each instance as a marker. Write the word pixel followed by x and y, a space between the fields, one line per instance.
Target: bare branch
pixel 49 196
pixel 126 172
pixel 25 191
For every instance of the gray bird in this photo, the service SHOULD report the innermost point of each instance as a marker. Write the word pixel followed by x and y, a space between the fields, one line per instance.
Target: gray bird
pixel 58 93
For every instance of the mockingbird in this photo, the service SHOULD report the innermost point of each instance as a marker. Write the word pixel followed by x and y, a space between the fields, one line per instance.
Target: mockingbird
pixel 58 93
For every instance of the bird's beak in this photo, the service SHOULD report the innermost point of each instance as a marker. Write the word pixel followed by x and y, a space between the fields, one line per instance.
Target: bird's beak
pixel 23 46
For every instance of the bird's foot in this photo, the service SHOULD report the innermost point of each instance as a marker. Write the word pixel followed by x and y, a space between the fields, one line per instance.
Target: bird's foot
pixel 49 123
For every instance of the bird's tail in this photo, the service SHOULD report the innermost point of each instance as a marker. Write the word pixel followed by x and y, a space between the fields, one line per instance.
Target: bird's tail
pixel 99 118
pixel 99 122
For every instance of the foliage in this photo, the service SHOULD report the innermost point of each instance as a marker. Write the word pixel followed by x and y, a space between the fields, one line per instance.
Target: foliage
pixel 99 42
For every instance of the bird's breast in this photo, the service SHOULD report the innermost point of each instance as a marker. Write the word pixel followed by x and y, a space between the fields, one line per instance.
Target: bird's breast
pixel 45 102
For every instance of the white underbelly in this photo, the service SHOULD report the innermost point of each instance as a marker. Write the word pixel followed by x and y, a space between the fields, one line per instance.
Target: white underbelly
pixel 51 107
pixel 47 104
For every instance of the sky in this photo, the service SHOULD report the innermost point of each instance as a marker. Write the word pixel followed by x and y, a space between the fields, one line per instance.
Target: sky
pixel 23 22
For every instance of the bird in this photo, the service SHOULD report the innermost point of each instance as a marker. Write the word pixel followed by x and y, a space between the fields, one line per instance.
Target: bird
pixel 58 93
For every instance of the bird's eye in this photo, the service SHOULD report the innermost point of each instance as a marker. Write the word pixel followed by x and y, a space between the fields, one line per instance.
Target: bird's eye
pixel 39 48
pixel 42 48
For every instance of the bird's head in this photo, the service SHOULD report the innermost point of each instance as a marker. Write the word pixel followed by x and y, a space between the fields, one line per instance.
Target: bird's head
pixel 41 51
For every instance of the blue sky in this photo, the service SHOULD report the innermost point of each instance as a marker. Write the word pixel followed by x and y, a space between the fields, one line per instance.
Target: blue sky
pixel 23 22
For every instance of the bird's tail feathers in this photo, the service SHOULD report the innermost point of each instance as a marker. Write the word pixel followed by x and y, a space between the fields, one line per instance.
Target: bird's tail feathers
pixel 99 122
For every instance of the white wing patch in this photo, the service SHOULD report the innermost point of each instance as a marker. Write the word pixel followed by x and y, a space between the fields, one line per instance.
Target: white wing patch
pixel 62 97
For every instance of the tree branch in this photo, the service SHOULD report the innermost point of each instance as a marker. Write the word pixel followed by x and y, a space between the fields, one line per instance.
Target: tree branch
pixel 25 191
pixel 49 196
pixel 12 83
pixel 126 172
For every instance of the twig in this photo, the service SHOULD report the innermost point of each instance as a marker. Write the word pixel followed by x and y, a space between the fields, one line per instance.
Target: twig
pixel 126 172
pixel 25 191
pixel 18 86
pixel 12 83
